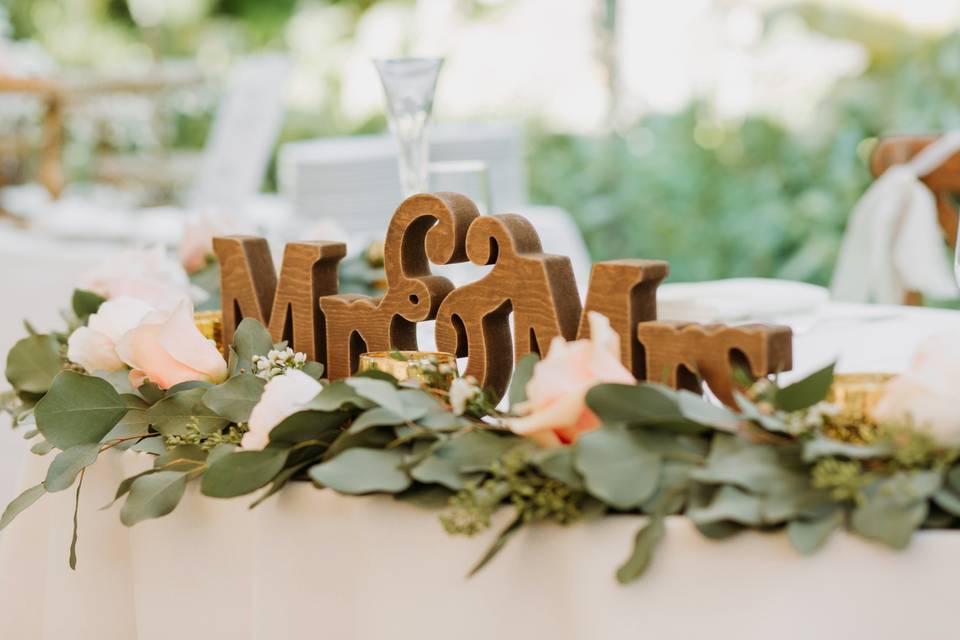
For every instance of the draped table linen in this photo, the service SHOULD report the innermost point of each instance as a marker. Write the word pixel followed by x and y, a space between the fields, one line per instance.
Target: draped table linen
pixel 313 564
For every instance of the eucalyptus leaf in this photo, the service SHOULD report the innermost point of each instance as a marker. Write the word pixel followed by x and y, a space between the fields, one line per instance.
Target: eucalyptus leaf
pixel 376 417
pixel 251 339
pixel 33 363
pixel 63 471
pixel 521 376
pixel 313 369
pixel 558 463
pixel 188 385
pixel 807 536
pixel 20 503
pixel 151 392
pixel 426 496
pixel 184 457
pixel 498 544
pixel 759 468
pixel 124 487
pixel 728 504
pixel 359 471
pixel 242 472
pixel 153 496
pixel 380 392
pixel 119 380
pixel 337 395
pixel 616 468
pixel 133 423
pixel 177 412
pixel 42 448
pixel 85 303
pixel 78 409
pixel 894 507
pixel 823 447
pixel 805 393
pixel 948 501
pixel 309 425
pixel 235 398
pixel 644 545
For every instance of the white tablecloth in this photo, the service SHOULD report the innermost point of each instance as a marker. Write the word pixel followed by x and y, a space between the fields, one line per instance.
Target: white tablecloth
pixel 310 563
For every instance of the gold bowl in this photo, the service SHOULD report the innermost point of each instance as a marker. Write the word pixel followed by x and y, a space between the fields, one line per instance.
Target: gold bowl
pixel 210 324
pixel 856 395
pixel 433 369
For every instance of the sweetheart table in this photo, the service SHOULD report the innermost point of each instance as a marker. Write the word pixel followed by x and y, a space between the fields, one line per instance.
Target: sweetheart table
pixel 310 563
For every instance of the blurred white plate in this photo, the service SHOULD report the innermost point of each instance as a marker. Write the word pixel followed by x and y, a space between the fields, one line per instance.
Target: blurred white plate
pixel 738 300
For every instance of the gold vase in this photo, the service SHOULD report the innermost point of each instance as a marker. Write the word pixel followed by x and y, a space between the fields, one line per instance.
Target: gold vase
pixel 856 394
pixel 210 324
pixel 432 369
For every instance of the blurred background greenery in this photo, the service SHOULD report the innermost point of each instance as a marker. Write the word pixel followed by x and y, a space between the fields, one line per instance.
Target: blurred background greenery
pixel 718 191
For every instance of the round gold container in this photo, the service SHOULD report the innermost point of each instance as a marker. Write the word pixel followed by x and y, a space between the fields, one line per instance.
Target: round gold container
pixel 856 394
pixel 210 324
pixel 432 369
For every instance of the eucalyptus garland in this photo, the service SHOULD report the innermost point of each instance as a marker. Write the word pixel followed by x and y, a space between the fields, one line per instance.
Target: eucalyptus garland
pixel 777 462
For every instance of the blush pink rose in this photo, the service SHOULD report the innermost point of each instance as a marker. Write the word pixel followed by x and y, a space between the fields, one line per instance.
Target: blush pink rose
pixel 927 396
pixel 167 349
pixel 145 274
pixel 196 245
pixel 94 347
pixel 555 411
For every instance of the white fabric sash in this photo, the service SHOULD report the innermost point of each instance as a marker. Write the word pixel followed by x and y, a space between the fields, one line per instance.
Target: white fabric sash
pixel 893 242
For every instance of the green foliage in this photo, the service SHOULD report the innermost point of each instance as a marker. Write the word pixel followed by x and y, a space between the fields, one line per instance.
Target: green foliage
pixel 806 392
pixel 616 467
pixel 644 545
pixel 359 471
pixel 33 363
pixel 21 502
pixel 152 496
pixel 85 303
pixel 242 472
pixel 78 409
pixel 178 413
pixel 658 453
pixel 68 464
pixel 235 398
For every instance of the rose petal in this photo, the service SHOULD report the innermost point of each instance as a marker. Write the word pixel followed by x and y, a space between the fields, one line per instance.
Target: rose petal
pixel 93 350
pixel 118 316
pixel 180 338
pixel 141 349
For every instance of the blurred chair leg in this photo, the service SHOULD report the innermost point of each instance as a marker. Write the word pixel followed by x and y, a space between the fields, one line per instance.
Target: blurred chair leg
pixel 51 173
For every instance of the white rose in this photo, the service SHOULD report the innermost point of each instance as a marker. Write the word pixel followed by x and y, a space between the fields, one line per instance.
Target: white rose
pixel 94 347
pixel 283 396
pixel 146 274
pixel 927 396
pixel 462 391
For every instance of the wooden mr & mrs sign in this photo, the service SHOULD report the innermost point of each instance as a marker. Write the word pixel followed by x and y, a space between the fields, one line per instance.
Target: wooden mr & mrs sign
pixel 303 306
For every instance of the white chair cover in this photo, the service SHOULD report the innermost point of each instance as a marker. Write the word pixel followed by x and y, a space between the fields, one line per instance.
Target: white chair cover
pixel 893 242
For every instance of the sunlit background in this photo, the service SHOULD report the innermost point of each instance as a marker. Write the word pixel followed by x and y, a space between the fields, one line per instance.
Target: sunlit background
pixel 728 136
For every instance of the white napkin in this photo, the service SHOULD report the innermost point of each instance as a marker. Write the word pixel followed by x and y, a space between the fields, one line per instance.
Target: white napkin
pixel 738 300
pixel 893 242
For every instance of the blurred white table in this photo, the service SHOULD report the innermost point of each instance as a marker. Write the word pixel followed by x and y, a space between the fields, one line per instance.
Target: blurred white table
pixel 310 563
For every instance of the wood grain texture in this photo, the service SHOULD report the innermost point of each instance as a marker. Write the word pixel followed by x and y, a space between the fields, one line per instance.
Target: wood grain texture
pixel 248 282
pixel 425 228
pixel 625 291
pixel 538 288
pixel 943 182
pixel 308 272
pixel 680 354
